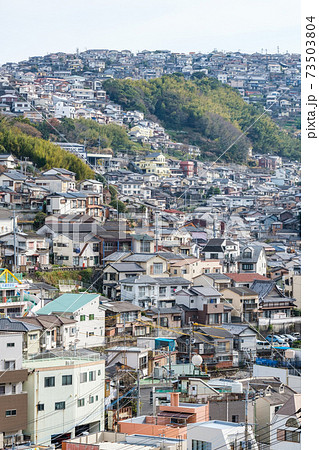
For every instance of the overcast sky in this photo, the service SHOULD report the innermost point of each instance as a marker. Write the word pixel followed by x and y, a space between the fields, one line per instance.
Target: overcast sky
pixel 38 27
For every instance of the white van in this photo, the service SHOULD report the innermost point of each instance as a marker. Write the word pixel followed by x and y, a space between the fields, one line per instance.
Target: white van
pixel 263 345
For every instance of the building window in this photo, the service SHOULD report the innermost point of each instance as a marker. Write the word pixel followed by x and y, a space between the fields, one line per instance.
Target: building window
pixel 66 380
pixel 82 318
pixel 49 381
pixel 247 266
pixel 91 399
pixel 221 346
pixel 92 376
pixel 141 291
pixel 162 291
pixel 164 322
pixel 143 362
pixel 11 412
pixel 235 418
pixel 157 268
pixel 81 402
pixel 10 344
pixel 201 445
pixel 247 254
pixel 40 406
pixel 287 435
pixel 145 247
pixel 83 377
pixel 9 365
pixel 91 316
pixel 2 389
pixel 59 405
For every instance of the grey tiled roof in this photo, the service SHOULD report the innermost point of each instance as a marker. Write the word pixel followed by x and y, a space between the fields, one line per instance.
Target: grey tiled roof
pixel 127 267
pixel 206 291
pixel 7 324
pixel 139 257
pixel 116 256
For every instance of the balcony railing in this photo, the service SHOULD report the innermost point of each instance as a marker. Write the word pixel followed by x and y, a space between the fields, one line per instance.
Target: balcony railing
pixel 12 299
pixel 250 306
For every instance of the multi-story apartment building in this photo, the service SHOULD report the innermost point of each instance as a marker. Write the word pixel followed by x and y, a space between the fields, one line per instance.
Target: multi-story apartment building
pixel 65 397
pixel 76 250
pixel 85 309
pixel 13 399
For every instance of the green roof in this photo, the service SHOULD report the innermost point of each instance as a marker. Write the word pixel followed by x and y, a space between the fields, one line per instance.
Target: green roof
pixel 67 303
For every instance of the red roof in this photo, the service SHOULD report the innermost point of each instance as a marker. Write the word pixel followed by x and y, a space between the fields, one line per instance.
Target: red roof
pixel 173 211
pixel 245 277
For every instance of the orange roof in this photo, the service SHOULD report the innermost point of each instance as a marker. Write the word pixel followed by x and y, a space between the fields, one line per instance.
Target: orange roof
pixel 245 277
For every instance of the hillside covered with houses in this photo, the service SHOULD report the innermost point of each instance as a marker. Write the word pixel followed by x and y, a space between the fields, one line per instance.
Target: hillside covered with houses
pixel 150 291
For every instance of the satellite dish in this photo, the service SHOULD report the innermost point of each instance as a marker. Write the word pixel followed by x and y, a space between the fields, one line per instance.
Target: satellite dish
pixel 197 360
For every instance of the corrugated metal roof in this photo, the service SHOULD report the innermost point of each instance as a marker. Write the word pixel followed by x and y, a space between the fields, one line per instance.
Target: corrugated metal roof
pixel 68 303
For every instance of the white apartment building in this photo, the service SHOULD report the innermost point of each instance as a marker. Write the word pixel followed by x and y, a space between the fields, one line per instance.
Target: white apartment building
pixel 146 291
pixel 85 309
pixel 65 397
pixel 66 203
pixel 216 434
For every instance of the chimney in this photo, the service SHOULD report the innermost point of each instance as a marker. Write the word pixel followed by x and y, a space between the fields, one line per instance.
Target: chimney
pixel 175 399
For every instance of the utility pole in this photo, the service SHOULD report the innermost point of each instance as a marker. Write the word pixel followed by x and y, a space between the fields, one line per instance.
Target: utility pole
pixel 156 231
pixel 169 365
pixel 117 403
pixel 246 415
pixel 125 355
pixel 272 343
pixel 190 345
pixel 158 320
pixel 138 409
pixel 14 240
pixel 226 406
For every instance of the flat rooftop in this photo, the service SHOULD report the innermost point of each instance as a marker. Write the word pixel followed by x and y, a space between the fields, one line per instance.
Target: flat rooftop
pixel 219 424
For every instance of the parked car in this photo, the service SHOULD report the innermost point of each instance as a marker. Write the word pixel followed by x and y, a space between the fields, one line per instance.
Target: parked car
pixel 284 337
pixel 290 338
pixel 263 345
pixel 275 339
pixel 296 335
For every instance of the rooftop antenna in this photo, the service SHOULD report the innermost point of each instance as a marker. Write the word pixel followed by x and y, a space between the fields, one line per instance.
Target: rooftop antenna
pixel 277 48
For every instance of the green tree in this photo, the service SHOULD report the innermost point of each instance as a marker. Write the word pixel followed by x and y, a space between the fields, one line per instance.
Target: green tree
pixel 118 205
pixel 39 220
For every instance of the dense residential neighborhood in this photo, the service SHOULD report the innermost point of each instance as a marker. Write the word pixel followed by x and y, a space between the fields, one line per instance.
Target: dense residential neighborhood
pixel 157 303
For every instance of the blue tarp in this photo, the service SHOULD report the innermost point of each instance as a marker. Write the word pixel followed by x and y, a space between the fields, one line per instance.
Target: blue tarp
pixel 164 342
